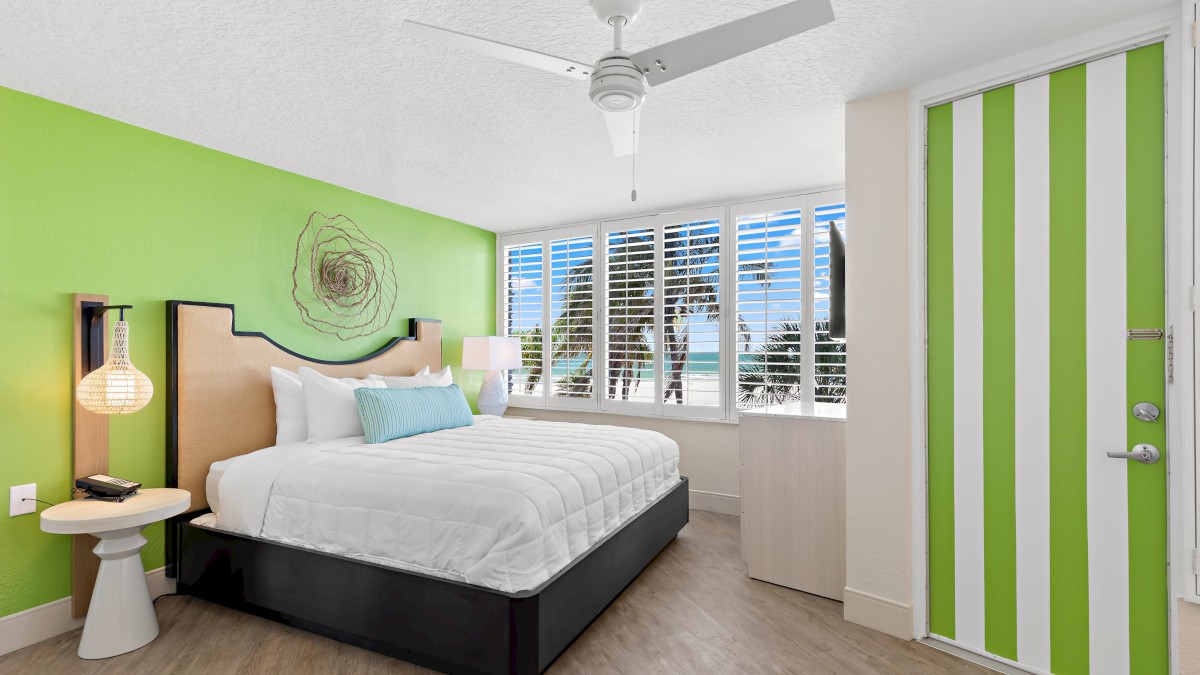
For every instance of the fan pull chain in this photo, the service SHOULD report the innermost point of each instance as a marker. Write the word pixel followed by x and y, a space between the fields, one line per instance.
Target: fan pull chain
pixel 633 192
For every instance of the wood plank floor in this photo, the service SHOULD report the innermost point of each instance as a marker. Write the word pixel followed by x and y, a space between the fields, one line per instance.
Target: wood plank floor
pixel 692 611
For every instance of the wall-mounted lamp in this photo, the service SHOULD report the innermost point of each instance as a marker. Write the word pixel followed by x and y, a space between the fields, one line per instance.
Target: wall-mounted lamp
pixel 112 387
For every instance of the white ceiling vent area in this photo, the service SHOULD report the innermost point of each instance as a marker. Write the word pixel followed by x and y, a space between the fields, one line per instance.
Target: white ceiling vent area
pixel 334 91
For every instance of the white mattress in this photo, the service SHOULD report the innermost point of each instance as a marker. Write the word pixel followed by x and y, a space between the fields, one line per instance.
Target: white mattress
pixel 504 503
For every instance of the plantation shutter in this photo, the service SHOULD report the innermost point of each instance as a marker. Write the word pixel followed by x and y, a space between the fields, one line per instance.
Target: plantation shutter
pixel 695 314
pixel 770 305
pixel 523 314
pixel 829 357
pixel 630 316
pixel 786 361
pixel 691 314
pixel 572 306
pixel 662 324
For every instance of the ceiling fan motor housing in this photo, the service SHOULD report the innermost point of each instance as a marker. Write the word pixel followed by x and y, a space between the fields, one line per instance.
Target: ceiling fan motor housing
pixel 617 84
pixel 609 11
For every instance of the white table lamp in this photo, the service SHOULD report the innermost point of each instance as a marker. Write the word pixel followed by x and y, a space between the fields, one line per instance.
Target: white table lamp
pixel 492 354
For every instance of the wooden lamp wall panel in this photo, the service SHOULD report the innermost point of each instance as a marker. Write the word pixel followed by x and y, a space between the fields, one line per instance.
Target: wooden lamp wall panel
pixel 91 457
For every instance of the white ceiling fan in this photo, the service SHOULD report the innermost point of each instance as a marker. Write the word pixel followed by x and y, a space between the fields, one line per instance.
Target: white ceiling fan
pixel 619 79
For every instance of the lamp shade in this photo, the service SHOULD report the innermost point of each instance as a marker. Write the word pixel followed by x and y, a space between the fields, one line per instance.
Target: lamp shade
pixel 116 387
pixel 491 353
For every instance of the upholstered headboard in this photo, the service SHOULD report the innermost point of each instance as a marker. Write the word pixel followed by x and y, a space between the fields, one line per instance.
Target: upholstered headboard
pixel 219 398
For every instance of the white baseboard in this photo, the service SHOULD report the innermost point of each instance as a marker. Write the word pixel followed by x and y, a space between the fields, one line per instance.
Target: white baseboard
pixel 701 500
pixel 22 629
pixel 881 614
pixel 159 582
pixel 43 622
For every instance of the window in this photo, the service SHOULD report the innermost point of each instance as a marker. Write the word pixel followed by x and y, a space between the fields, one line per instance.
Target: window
pixel 549 304
pixel 630 316
pixel 637 318
pixel 692 313
pixel 523 311
pixel 770 304
pixel 662 310
pixel 572 330
pixel 830 355
pixel 786 361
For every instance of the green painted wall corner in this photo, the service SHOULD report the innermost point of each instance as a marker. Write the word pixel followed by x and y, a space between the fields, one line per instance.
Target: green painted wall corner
pixel 92 205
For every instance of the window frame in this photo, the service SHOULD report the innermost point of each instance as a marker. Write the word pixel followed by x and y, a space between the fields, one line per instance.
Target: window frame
pixel 658 223
pixel 726 213
pixel 807 204
pixel 545 238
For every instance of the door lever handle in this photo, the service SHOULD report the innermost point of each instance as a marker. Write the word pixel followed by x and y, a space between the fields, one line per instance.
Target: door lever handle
pixel 1143 452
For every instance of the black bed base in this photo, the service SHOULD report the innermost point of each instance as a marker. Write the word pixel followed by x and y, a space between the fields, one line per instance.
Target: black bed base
pixel 438 623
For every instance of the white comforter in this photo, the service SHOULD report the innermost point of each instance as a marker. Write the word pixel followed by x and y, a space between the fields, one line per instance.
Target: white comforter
pixel 504 503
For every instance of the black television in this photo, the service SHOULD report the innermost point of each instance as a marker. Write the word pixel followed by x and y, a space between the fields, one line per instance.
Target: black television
pixel 837 284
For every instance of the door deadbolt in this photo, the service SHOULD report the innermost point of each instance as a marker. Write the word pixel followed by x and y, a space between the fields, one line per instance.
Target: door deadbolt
pixel 1146 412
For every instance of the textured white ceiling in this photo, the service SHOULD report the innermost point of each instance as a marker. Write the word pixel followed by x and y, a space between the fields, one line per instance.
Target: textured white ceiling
pixel 328 89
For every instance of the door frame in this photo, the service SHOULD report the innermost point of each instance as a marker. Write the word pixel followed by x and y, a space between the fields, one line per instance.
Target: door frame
pixel 1167 26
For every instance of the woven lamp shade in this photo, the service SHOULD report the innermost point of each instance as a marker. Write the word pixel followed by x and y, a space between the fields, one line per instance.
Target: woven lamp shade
pixel 116 388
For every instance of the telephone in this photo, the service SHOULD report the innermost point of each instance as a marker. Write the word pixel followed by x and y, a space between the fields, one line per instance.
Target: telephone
pixel 107 488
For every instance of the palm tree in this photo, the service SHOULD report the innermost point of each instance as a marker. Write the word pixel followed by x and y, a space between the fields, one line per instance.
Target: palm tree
pixel 772 373
pixel 531 352
pixel 690 287
pixel 630 310
pixel 829 366
pixel 691 283
pixel 571 332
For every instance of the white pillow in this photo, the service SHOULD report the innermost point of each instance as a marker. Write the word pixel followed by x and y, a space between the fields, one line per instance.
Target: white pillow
pixel 442 378
pixel 424 372
pixel 291 417
pixel 329 402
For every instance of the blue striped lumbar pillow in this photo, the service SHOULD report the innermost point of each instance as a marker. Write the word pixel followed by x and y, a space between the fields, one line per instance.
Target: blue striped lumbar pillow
pixel 399 413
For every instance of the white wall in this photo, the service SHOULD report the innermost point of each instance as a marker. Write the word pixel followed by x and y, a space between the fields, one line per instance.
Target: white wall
pixel 878 495
pixel 708 452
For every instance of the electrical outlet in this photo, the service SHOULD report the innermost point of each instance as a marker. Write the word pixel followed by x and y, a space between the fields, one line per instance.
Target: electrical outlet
pixel 16 495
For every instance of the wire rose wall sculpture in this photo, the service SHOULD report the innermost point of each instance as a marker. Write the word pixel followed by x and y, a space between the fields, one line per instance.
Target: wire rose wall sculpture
pixel 343 282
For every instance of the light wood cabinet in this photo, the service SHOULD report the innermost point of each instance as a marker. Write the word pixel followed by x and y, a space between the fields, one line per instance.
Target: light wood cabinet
pixel 794 502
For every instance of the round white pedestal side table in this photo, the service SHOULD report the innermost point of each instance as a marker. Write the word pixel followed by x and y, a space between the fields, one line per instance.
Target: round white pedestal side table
pixel 121 616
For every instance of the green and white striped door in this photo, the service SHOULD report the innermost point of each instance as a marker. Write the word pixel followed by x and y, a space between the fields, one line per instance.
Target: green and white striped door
pixel 1045 224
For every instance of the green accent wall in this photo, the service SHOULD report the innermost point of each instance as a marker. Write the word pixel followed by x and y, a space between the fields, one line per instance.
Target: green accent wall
pixel 92 205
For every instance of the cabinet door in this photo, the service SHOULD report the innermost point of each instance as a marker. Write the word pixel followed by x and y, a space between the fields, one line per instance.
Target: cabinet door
pixel 794 503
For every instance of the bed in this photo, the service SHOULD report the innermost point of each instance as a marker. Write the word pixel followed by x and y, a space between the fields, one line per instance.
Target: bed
pixel 385 555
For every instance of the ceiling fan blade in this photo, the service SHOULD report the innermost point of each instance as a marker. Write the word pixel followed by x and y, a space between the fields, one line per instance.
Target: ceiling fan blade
pixel 499 50
pixel 621 126
pixel 709 47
